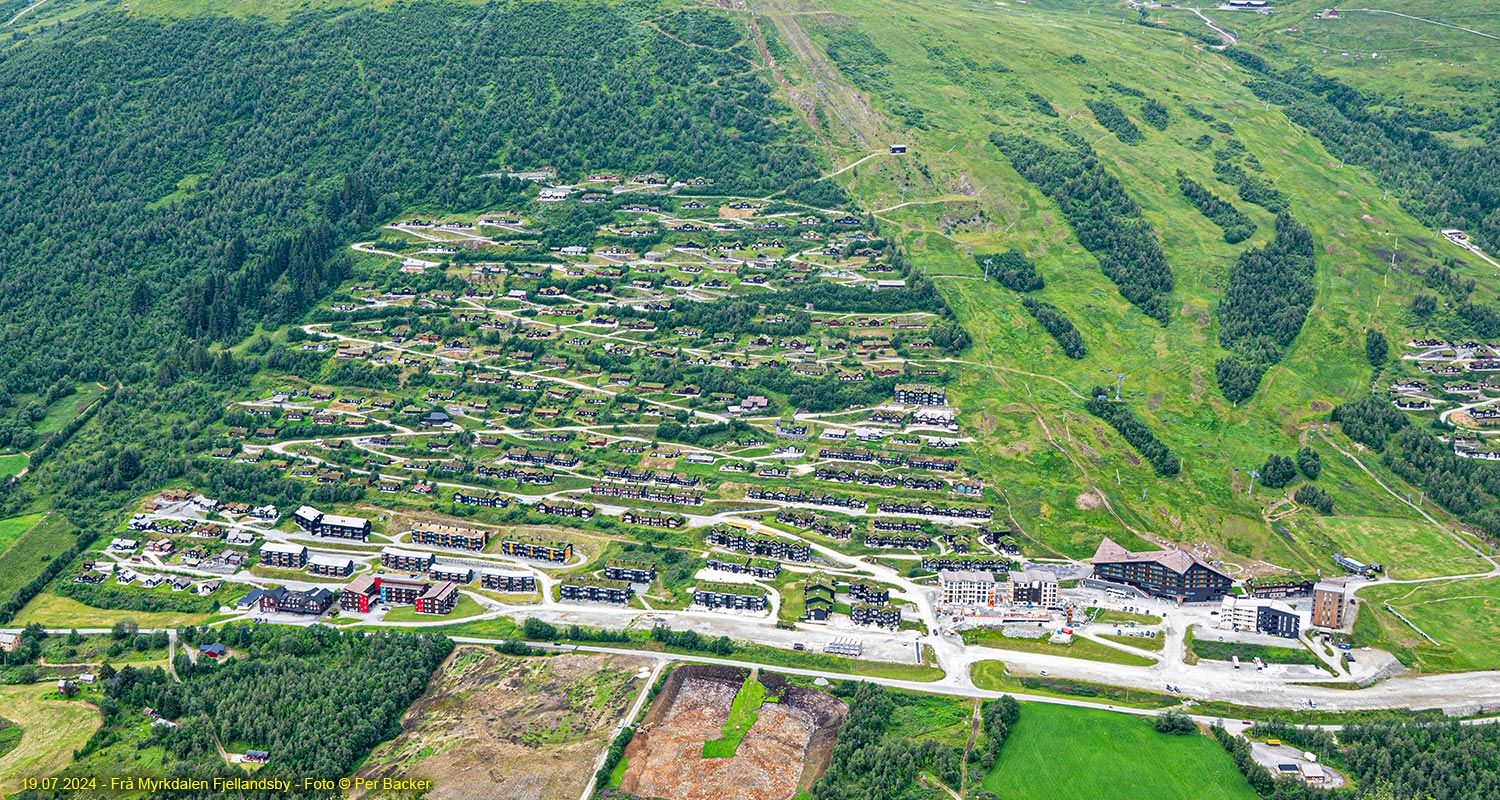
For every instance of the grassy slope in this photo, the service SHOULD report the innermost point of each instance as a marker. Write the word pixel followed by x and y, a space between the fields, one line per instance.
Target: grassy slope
pixel 1086 754
pixel 1172 368
pixel 1461 615
pixel 54 611
pixel 1426 65
pixel 12 529
pixel 26 543
pixel 743 713
pixel 12 464
pixel 50 731
pixel 1080 648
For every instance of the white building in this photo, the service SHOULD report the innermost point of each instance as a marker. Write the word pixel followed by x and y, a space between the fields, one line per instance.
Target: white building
pixel 967 587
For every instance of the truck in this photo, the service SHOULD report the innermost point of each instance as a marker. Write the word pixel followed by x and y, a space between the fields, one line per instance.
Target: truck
pixel 1236 660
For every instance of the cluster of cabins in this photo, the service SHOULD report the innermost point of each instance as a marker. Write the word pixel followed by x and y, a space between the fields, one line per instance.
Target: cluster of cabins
pixel 652 519
pixel 743 541
pixel 428 597
pixel 926 510
pixel 481 501
pixel 318 523
pixel 733 596
pixel 647 493
pixel 812 522
pixel 869 603
pixel 807 498
pixel 879 479
pixel 983 563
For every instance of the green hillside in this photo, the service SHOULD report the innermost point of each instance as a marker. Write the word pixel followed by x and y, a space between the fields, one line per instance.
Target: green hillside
pixel 943 77
pixel 1221 226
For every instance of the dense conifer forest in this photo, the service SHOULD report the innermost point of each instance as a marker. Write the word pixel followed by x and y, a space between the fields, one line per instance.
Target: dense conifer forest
pixel 278 689
pixel 192 177
pixel 1105 219
pixel 1270 292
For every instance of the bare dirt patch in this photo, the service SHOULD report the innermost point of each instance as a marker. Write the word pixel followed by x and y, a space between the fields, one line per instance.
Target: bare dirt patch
pixel 492 726
pixel 1319 406
pixel 1088 501
pixel 786 749
pixel 1463 419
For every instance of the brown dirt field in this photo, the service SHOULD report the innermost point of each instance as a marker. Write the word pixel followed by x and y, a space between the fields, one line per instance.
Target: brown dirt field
pixel 492 726
pixel 784 752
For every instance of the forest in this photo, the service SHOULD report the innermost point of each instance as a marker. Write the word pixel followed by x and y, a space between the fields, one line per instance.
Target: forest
pixel 1270 292
pixel 283 690
pixel 1136 432
pixel 1236 226
pixel 1466 487
pixel 870 760
pixel 181 179
pixel 1106 220
pixel 1441 183
pixel 1405 760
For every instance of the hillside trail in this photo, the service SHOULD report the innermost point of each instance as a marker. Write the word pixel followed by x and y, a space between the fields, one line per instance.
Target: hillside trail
pixel 1422 511
pixel 1418 19
pixel 860 121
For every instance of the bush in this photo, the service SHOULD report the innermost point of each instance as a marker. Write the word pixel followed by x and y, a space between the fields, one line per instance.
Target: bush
pixel 1313 497
pixel 1376 348
pixel 1175 723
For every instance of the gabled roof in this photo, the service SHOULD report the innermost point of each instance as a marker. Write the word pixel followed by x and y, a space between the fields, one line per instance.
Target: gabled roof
pixel 1178 561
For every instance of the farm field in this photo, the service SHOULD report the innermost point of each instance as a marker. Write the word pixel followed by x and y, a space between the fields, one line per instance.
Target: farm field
pixel 12 465
pixel 50 731
pixel 1088 754
pixel 491 725
pixel 64 410
pixel 11 529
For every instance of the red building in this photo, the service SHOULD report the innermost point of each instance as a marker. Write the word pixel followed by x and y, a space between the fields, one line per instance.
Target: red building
pixel 360 594
pixel 440 598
